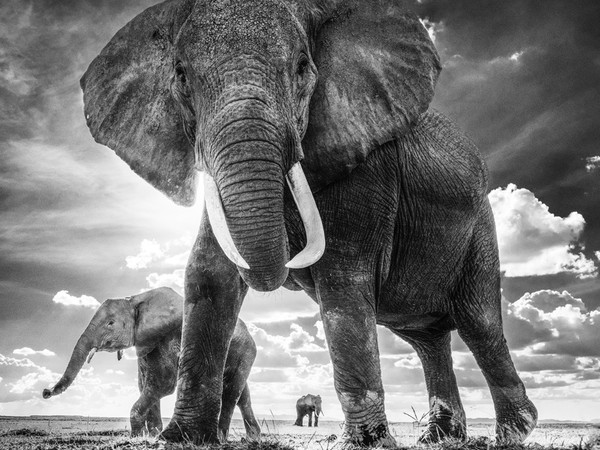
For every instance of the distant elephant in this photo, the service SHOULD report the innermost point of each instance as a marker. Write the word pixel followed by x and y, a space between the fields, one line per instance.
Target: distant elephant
pixel 307 405
pixel 386 216
pixel 152 323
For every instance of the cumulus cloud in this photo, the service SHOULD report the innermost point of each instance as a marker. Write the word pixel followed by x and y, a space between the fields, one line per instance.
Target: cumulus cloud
pixel 22 378
pixel 26 351
pixel 532 240
pixel 553 323
pixel 277 351
pixel 592 163
pixel 173 280
pixel 276 306
pixel 173 253
pixel 149 251
pixel 320 329
pixel 64 298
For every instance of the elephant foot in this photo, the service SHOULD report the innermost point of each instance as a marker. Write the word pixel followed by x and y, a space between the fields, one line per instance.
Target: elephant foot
pixel 513 426
pixel 181 431
pixel 362 436
pixel 443 424
pixel 436 433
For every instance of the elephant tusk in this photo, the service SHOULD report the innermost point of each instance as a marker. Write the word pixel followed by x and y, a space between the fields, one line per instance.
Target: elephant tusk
pixel 119 355
pixel 91 354
pixel 315 236
pixel 216 217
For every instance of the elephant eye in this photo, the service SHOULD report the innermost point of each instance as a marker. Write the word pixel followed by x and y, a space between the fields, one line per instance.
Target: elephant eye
pixel 180 72
pixel 302 66
pixel 111 323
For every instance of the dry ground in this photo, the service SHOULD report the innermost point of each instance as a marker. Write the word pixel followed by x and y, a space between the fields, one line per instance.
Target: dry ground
pixel 100 434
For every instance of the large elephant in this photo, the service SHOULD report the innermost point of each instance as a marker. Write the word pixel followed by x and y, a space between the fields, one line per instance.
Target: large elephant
pixel 151 322
pixel 393 226
pixel 307 405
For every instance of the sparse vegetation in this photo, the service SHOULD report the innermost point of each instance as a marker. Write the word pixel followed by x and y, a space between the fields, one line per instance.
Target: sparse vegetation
pixel 32 439
pixel 99 434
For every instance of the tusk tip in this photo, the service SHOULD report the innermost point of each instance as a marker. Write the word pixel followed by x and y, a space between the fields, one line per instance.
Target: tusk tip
pixel 303 260
pixel 243 264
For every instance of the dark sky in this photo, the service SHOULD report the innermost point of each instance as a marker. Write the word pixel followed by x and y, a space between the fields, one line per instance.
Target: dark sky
pixel 522 78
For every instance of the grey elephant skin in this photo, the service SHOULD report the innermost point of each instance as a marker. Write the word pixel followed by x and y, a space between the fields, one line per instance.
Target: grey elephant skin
pixel 307 405
pixel 151 322
pixel 310 121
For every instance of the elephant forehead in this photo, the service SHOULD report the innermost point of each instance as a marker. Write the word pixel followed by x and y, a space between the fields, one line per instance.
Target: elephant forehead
pixel 220 28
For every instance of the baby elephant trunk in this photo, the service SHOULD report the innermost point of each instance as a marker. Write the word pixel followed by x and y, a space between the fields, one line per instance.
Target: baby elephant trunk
pixel 83 347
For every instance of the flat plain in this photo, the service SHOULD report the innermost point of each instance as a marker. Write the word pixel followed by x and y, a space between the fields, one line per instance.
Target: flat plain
pixel 76 432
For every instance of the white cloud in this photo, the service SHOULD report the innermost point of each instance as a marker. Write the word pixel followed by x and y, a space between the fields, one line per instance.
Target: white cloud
pixel 516 55
pixel 64 298
pixel 172 254
pixel 532 240
pixel 553 323
pixel 432 28
pixel 149 251
pixel 130 354
pixel 592 163
pixel 26 351
pixel 276 351
pixel 173 280
pixel 320 330
pixel 23 379
pixel 279 305
pixel 8 361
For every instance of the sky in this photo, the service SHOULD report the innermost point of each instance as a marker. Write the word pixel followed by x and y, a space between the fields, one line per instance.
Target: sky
pixel 77 226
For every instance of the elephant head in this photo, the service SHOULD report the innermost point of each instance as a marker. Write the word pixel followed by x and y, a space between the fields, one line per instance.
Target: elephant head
pixel 141 320
pixel 315 401
pixel 244 91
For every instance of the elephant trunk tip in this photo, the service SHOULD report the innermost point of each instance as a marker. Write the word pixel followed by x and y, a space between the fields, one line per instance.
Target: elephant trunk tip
pixel 46 393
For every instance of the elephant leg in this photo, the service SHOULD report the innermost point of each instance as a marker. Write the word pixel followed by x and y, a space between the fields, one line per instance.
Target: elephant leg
pixel 233 385
pixel 478 317
pixel 139 412
pixel 250 422
pixel 446 413
pixel 310 418
pixel 214 292
pixel 153 419
pixel 350 328
pixel 299 417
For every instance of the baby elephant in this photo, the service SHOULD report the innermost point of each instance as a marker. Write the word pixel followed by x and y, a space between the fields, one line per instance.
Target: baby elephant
pixel 152 323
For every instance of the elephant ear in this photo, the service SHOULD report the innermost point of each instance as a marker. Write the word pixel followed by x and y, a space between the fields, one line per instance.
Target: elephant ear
pixel 157 313
pixel 377 73
pixel 128 105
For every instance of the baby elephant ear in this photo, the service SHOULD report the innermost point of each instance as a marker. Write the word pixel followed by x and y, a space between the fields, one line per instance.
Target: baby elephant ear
pixel 128 105
pixel 158 312
pixel 377 73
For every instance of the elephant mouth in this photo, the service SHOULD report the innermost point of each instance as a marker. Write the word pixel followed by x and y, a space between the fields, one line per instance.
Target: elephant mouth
pixel 93 351
pixel 305 202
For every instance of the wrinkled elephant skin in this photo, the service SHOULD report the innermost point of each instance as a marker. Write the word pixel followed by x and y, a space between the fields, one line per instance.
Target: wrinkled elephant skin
pixel 151 322
pixel 310 120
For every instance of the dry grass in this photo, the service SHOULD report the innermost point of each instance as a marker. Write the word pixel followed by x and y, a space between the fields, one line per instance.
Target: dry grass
pixel 33 439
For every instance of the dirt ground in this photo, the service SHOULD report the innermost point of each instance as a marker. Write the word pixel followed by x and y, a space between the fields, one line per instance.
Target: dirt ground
pixel 66 433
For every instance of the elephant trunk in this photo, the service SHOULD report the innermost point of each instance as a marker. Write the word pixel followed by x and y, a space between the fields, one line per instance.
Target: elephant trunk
pixel 249 152
pixel 252 195
pixel 80 353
